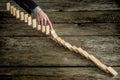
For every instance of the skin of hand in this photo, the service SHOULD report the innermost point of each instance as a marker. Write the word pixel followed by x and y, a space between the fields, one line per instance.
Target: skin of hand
pixel 43 19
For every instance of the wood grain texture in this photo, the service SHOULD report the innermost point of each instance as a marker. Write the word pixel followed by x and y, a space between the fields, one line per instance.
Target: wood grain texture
pixel 26 54
pixel 31 51
pixel 67 73
pixel 73 6
pixel 102 29
pixel 73 17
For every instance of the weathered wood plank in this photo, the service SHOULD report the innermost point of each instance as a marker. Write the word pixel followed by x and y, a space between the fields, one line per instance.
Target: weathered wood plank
pixel 41 51
pixel 90 1
pixel 68 73
pixel 22 29
pixel 73 17
pixel 72 6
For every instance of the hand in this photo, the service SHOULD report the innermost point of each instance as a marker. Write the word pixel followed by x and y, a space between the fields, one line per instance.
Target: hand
pixel 43 19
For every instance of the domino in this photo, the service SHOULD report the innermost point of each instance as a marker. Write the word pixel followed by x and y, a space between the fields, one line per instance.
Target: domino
pixel 69 46
pixel 17 14
pixel 14 11
pixel 112 71
pixel 39 27
pixel 8 6
pixel 21 16
pixel 59 40
pixel 29 20
pixel 98 63
pixel 34 23
pixel 11 9
pixel 74 48
pixel 26 18
pixel 83 53
pixel 47 30
pixel 53 33
pixel 43 29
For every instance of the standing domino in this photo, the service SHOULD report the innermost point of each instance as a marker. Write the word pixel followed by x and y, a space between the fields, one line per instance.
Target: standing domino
pixel 34 23
pixel 43 29
pixel 29 20
pixel 47 30
pixel 17 14
pixel 26 18
pixel 14 11
pixel 11 9
pixel 8 6
pixel 21 16
pixel 39 27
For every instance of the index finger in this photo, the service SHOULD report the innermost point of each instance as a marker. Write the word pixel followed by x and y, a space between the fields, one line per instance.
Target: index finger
pixel 50 24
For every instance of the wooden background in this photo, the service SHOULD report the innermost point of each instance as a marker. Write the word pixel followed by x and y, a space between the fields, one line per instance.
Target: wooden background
pixel 27 54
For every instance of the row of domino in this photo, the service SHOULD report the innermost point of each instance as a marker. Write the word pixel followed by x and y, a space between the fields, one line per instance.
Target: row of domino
pixel 51 32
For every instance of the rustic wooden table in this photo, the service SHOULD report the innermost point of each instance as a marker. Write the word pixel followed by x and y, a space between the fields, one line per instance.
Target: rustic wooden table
pixel 94 25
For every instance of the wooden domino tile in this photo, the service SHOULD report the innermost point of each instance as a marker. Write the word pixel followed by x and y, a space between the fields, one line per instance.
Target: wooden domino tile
pixel 47 30
pixel 34 23
pixel 14 11
pixel 43 29
pixel 29 20
pixel 53 33
pixel 11 9
pixel 58 40
pixel 98 63
pixel 69 46
pixel 112 71
pixel 26 18
pixel 21 16
pixel 74 48
pixel 8 6
pixel 39 27
pixel 83 53
pixel 17 14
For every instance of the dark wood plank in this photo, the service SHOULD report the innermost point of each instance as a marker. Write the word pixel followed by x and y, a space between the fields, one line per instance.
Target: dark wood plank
pixel 72 6
pixel 53 73
pixel 22 29
pixel 41 51
pixel 90 1
pixel 73 17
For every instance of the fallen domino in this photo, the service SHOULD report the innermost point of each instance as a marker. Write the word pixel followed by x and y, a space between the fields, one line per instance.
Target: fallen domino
pixel 52 34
